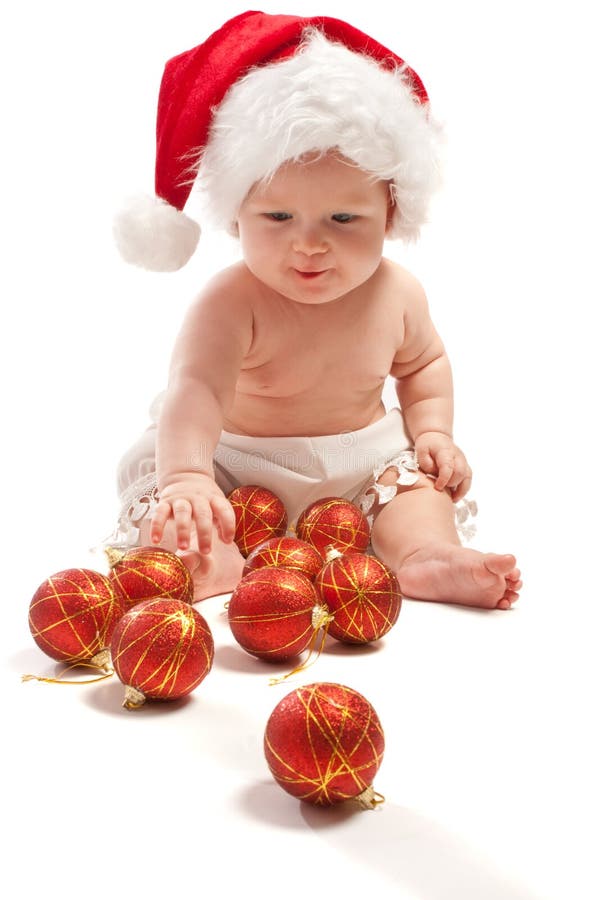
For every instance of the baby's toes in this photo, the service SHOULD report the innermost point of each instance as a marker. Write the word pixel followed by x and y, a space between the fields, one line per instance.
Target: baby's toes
pixel 502 565
pixel 513 580
pixel 508 599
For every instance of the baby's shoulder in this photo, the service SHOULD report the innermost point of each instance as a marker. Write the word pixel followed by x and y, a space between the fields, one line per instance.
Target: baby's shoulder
pixel 229 288
pixel 220 308
pixel 226 301
pixel 402 290
pixel 399 278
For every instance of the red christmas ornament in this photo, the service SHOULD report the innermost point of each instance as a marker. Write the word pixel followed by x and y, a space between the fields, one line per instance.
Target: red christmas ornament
pixel 72 616
pixel 274 613
pixel 324 743
pixel 335 522
pixel 161 649
pixel 287 553
pixel 145 573
pixel 259 515
pixel 362 594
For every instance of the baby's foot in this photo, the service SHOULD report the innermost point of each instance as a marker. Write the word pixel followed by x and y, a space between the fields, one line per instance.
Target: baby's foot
pixel 217 573
pixel 450 573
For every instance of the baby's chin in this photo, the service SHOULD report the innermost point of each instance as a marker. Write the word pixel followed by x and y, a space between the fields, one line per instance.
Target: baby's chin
pixel 318 290
pixel 309 291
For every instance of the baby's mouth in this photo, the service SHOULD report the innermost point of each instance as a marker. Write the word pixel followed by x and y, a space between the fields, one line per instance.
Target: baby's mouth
pixel 313 274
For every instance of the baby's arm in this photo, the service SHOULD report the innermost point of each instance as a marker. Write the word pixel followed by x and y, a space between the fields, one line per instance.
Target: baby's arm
pixel 208 354
pixel 424 388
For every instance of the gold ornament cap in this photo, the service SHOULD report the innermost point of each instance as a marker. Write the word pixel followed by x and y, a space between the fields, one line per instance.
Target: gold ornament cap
pixel 133 698
pixel 369 798
pixel 113 555
pixel 331 552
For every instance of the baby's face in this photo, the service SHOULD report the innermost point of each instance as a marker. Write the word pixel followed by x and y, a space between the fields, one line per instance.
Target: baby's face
pixel 316 230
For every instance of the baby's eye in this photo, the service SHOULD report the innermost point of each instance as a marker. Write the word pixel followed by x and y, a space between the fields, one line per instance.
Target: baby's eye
pixel 343 218
pixel 279 216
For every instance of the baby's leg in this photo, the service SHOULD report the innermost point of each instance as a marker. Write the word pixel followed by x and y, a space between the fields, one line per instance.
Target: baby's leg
pixel 415 535
pixel 217 573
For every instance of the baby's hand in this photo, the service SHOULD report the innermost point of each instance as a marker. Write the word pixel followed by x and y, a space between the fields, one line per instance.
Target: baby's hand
pixel 197 500
pixel 438 455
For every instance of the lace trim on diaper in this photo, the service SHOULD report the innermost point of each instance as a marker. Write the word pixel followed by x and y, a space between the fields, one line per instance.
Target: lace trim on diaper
pixel 371 501
pixel 141 498
pixel 377 495
pixel 138 501
pixel 464 513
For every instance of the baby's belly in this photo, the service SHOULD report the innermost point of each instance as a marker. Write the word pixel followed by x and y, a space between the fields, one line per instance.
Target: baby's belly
pixel 261 416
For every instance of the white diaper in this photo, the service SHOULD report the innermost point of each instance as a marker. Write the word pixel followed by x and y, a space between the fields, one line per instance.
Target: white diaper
pixel 299 470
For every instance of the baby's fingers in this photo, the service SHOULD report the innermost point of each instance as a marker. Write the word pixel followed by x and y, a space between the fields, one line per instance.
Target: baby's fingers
pixel 203 519
pixel 225 519
pixel 182 514
pixel 445 471
pixel 426 462
pixel 159 519
pixel 463 489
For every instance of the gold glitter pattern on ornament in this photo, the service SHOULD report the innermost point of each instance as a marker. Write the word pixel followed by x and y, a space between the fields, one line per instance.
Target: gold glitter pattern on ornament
pixel 280 648
pixel 259 514
pixel 157 670
pixel 333 521
pixel 352 736
pixel 285 552
pixel 147 572
pixel 84 604
pixel 284 603
pixel 364 597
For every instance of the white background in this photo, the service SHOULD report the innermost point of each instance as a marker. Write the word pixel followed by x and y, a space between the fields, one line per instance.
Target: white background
pixel 490 771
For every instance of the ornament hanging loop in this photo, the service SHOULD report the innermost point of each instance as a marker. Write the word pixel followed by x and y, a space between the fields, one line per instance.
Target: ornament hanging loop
pixel 100 661
pixel 321 618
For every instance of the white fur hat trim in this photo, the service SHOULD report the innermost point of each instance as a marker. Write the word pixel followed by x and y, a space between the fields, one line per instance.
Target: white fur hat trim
pixel 325 96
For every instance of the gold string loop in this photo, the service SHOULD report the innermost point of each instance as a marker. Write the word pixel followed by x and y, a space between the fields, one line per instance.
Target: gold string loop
pixel 99 661
pixel 321 618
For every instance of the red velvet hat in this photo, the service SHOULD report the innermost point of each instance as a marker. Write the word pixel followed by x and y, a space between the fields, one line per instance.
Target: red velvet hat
pixel 264 89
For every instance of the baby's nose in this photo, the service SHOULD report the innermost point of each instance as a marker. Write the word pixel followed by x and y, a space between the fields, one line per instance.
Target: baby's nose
pixel 309 240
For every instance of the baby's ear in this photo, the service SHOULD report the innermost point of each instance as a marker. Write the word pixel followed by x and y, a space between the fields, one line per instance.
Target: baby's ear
pixel 390 217
pixel 391 206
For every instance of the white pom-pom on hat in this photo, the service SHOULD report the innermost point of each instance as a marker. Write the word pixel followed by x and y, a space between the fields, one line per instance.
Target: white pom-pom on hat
pixel 154 235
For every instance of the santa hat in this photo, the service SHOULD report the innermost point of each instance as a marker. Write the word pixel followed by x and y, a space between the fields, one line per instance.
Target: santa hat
pixel 265 89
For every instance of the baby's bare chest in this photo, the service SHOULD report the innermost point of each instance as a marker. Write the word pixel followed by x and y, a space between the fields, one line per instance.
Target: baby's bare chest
pixel 320 354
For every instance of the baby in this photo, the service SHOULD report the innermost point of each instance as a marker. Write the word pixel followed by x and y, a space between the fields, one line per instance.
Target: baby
pixel 313 144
